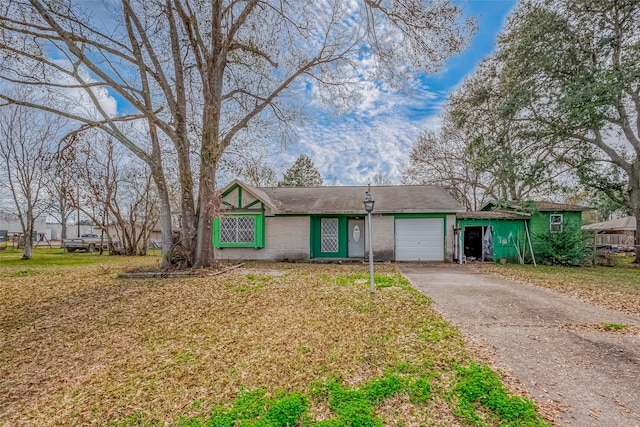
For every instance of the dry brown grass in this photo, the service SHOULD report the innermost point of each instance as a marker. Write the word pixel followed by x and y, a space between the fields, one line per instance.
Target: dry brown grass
pixel 81 347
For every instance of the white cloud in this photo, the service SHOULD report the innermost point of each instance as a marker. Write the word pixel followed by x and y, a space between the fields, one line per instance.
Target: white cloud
pixel 370 97
pixel 79 101
pixel 376 138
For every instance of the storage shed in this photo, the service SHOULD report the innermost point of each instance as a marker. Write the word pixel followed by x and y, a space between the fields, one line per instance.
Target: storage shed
pixel 510 231
pixel 491 236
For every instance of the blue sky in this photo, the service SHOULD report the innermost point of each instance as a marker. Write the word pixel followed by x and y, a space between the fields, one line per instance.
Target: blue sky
pixel 377 136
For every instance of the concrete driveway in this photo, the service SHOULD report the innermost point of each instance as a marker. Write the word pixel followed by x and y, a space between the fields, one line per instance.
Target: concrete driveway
pixel 540 338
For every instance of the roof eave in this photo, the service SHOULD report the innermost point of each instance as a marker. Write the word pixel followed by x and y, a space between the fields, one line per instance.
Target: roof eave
pixel 381 212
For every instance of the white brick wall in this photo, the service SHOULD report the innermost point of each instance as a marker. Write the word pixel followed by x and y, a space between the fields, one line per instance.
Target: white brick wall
pixel 285 238
pixel 288 238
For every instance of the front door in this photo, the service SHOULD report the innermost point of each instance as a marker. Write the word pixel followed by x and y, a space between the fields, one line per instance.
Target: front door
pixel 356 238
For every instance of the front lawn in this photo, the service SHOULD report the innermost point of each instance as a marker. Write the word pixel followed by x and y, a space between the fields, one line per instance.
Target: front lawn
pixel 56 256
pixel 262 345
pixel 617 287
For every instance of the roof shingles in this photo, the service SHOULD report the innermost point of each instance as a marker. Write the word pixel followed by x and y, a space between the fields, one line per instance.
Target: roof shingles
pixel 349 200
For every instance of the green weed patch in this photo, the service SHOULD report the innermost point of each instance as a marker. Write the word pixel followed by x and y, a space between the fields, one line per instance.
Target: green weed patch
pixel 25 273
pixel 349 406
pixel 437 331
pixel 381 280
pixel 614 326
pixel 482 400
pixel 254 408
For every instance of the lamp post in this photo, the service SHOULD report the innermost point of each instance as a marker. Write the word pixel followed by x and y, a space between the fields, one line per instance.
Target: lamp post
pixel 368 206
pixel 78 201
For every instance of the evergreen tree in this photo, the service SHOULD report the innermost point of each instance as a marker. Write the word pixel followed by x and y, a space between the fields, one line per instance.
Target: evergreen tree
pixel 302 173
pixel 564 248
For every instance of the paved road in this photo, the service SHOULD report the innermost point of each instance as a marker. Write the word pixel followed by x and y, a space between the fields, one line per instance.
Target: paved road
pixel 595 374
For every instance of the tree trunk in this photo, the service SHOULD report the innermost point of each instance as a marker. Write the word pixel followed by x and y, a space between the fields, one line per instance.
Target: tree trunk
pixel 634 198
pixel 636 240
pixel 27 251
pixel 165 227
pixel 64 216
pixel 204 255
pixel 210 152
pixel 189 227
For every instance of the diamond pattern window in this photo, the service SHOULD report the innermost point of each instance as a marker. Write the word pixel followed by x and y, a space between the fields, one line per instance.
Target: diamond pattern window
pixel 329 235
pixel 239 231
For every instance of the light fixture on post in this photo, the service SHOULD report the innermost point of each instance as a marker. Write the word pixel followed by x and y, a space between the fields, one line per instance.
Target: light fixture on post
pixel 368 206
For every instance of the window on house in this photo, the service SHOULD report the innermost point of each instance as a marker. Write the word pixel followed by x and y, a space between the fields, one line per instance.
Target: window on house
pixel 555 223
pixel 239 231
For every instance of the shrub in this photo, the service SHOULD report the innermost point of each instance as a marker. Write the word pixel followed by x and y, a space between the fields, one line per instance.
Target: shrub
pixel 564 248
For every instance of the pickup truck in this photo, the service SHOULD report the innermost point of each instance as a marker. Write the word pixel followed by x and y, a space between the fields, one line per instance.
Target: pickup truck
pixel 87 242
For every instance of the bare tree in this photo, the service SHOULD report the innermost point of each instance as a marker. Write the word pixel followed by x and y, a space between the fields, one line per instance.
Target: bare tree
pixel 117 192
pixel 27 138
pixel 62 188
pixel 248 161
pixel 440 158
pixel 380 178
pixel 198 73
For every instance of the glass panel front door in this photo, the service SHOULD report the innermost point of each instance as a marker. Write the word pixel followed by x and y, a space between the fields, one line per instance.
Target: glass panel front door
pixel 356 238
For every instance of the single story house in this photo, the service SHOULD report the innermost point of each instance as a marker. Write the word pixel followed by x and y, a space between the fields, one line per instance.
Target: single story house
pixel 409 223
pixel 153 233
pixel 619 232
pixel 510 231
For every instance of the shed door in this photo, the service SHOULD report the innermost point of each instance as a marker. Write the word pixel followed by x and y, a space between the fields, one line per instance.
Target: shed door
pixel 420 239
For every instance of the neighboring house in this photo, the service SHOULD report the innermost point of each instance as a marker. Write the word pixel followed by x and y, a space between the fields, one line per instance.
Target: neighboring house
pixel 618 232
pixel 10 226
pixel 54 230
pixel 505 232
pixel 154 234
pixel 176 218
pixel 410 223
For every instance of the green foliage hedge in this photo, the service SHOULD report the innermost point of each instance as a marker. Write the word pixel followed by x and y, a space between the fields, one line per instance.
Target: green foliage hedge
pixel 564 248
